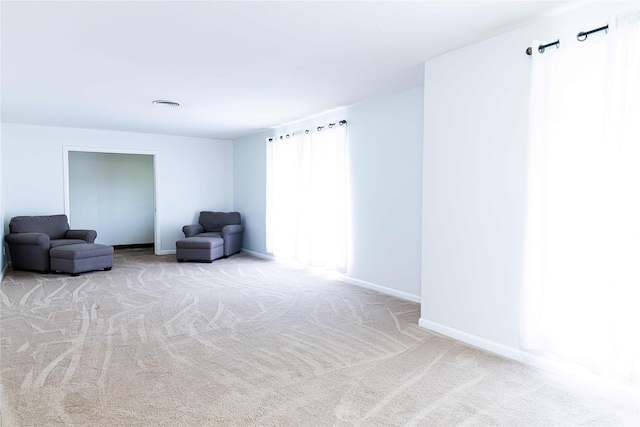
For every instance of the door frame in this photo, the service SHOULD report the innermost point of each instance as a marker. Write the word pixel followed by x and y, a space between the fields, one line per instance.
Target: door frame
pixel 157 246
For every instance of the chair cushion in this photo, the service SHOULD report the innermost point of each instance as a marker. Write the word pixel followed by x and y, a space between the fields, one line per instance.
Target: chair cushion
pixel 214 221
pixel 209 234
pixel 53 225
pixel 64 242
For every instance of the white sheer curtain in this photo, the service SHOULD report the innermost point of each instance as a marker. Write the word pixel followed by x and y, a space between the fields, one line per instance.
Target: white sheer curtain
pixel 306 197
pixel 582 266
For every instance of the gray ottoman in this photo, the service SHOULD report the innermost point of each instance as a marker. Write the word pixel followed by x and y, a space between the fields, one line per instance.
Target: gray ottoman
pixel 199 249
pixel 81 257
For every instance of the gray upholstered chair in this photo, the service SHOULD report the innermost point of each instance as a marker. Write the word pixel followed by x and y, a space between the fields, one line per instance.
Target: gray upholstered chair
pixel 31 237
pixel 225 225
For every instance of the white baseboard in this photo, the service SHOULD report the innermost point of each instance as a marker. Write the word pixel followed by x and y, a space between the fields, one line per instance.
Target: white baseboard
pixel 167 252
pixel 258 255
pixel 554 367
pixel 350 280
pixel 383 289
pixel 493 347
pixel 474 340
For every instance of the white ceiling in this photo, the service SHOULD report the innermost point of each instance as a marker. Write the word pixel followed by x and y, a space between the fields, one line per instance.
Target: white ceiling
pixel 236 67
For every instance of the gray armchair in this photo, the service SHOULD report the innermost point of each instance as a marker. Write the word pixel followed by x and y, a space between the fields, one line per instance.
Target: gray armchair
pixel 31 237
pixel 218 224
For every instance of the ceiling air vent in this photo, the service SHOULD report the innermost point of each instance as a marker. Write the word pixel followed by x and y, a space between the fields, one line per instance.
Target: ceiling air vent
pixel 167 103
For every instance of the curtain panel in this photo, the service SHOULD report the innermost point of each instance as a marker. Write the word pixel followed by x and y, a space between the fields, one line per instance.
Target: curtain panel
pixel 307 197
pixel 581 290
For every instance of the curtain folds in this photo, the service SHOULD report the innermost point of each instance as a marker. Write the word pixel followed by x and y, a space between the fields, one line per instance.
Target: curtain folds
pixel 581 290
pixel 306 197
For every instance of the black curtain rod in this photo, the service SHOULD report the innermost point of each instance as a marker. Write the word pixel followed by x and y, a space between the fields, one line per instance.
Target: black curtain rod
pixel 319 128
pixel 582 36
pixel 542 47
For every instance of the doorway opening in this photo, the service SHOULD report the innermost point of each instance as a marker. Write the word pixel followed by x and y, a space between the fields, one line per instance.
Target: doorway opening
pixel 115 193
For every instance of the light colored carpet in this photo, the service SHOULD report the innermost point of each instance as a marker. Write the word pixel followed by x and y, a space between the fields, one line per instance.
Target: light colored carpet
pixel 244 341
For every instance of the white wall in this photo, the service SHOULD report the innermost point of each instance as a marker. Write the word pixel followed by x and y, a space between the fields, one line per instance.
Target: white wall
pixel 194 174
pixel 113 193
pixel 474 188
pixel 385 152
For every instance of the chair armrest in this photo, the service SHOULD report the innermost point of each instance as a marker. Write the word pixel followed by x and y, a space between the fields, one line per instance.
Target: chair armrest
pixel 192 230
pixel 230 229
pixel 88 236
pixel 40 239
